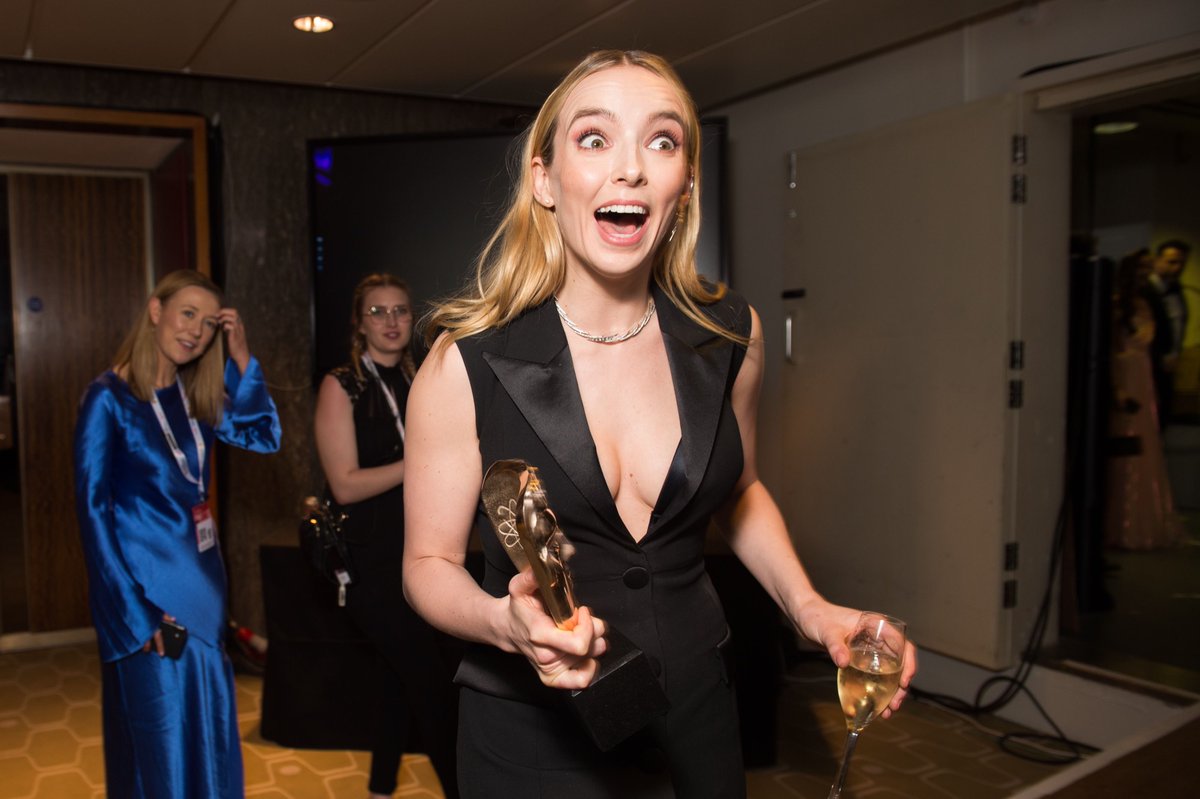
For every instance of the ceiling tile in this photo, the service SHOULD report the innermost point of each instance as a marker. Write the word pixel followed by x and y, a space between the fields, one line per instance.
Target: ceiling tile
pixel 453 45
pixel 670 28
pixel 800 43
pixel 127 33
pixel 256 38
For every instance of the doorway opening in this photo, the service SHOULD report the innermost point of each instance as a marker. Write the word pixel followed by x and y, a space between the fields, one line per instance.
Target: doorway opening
pixel 95 205
pixel 1132 582
pixel 13 613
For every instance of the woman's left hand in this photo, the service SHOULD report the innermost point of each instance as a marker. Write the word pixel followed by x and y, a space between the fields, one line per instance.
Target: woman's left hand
pixel 831 625
pixel 235 336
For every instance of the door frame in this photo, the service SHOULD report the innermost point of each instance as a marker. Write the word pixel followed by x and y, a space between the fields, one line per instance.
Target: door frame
pixel 187 128
pixel 81 139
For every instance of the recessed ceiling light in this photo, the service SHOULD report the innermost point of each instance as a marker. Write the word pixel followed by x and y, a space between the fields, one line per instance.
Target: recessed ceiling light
pixel 313 24
pixel 1109 128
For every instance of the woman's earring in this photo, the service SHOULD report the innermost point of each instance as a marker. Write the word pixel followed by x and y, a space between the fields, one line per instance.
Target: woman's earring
pixel 674 227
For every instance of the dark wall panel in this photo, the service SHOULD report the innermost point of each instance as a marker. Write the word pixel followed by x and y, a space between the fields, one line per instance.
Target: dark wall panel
pixel 423 207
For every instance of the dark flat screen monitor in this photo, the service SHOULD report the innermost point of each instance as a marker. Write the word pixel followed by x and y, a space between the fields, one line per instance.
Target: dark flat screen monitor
pixel 422 208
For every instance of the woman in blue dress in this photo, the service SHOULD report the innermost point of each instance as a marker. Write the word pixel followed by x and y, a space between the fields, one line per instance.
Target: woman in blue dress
pixel 144 431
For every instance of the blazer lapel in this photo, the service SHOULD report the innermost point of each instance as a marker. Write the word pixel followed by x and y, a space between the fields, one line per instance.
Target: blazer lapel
pixel 536 371
pixel 700 362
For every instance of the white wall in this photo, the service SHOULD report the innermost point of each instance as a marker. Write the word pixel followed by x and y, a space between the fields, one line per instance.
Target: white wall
pixel 958 67
pixel 978 61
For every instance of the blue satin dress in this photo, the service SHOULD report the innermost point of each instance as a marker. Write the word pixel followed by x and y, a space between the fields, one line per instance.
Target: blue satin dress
pixel 170 726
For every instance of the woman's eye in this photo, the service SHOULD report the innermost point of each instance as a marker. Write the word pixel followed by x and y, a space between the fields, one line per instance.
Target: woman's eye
pixel 591 141
pixel 211 323
pixel 663 141
pixel 189 313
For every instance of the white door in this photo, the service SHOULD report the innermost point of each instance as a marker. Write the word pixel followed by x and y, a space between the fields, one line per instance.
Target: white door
pixel 925 386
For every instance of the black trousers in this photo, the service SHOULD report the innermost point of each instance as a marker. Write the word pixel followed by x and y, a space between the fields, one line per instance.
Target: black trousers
pixel 509 748
pixel 418 701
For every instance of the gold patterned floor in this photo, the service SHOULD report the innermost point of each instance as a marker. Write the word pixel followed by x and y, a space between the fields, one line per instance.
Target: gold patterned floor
pixel 923 752
pixel 50 744
pixel 50 739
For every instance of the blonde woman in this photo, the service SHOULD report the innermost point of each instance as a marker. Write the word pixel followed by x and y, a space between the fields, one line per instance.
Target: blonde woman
pixel 590 348
pixel 156 579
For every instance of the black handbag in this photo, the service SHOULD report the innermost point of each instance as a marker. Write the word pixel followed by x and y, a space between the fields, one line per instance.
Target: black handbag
pixel 324 544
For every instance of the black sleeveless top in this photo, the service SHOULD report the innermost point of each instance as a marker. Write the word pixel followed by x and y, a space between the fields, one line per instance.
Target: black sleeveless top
pixel 377 521
pixel 528 406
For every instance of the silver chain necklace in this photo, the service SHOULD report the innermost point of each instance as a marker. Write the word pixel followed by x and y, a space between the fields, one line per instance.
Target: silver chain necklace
pixel 615 338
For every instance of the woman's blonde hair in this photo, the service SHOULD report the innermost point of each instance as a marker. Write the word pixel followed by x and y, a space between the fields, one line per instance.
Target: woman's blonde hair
pixel 203 378
pixel 524 263
pixel 358 341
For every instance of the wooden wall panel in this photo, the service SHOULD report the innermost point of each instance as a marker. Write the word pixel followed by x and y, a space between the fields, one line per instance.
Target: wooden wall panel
pixel 79 279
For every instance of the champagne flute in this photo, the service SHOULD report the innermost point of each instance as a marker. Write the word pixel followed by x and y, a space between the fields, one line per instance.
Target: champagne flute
pixel 868 683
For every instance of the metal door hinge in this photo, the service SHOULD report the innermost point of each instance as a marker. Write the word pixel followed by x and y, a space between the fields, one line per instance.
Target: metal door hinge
pixel 1010 556
pixel 1016 354
pixel 1020 144
pixel 1018 189
pixel 1016 393
pixel 1010 593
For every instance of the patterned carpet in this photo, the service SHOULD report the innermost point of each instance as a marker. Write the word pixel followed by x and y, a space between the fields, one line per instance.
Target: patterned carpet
pixel 922 752
pixel 50 738
pixel 50 744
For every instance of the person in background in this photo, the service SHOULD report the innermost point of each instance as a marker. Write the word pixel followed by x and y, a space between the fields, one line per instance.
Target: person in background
pixel 1165 298
pixel 359 430
pixel 154 564
pixel 589 347
pixel 1139 507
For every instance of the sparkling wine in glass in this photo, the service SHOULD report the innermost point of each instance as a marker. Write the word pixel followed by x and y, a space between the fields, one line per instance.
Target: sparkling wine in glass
pixel 868 683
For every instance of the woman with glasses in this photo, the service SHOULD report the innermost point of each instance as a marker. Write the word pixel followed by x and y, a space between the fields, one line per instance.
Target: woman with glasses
pixel 359 430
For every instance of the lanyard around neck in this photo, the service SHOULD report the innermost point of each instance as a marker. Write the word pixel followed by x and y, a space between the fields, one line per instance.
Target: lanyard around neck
pixel 387 393
pixel 180 458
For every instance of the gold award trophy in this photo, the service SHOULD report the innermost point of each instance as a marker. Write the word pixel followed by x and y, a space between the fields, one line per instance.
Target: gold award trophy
pixel 625 695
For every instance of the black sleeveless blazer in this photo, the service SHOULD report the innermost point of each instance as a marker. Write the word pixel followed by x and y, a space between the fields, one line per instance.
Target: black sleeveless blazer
pixel 528 406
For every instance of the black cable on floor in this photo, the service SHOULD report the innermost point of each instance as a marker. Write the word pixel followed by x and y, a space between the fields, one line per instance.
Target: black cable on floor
pixel 1015 684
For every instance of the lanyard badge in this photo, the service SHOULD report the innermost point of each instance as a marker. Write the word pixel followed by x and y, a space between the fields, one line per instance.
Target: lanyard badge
pixel 206 528
pixel 387 393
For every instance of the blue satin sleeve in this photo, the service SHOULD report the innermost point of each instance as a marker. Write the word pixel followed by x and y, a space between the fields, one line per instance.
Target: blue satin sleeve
pixel 250 420
pixel 124 618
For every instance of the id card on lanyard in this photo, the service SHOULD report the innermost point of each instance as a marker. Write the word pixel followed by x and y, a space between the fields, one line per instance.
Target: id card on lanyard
pixel 202 520
pixel 387 393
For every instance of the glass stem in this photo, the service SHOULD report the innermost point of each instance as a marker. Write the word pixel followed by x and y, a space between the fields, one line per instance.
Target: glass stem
pixel 844 768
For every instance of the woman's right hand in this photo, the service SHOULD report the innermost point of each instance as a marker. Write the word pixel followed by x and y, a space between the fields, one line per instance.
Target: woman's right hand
pixel 563 659
pixel 156 642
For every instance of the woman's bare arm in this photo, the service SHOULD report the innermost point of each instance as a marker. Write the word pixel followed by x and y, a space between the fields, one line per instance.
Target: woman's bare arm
pixel 333 426
pixel 758 535
pixel 441 494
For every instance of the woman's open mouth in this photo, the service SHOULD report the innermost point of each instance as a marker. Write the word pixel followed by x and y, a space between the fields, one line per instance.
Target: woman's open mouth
pixel 622 223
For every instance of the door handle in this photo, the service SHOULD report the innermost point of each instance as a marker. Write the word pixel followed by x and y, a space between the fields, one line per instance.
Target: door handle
pixel 789 321
pixel 787 338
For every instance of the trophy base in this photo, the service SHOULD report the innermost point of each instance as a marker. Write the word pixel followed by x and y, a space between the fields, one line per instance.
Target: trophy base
pixel 624 697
